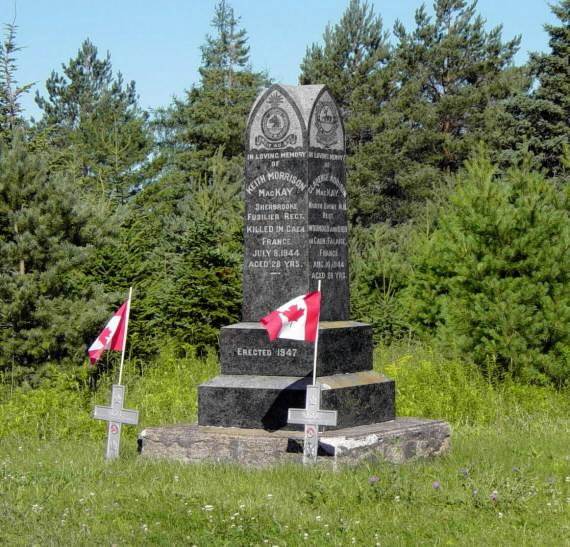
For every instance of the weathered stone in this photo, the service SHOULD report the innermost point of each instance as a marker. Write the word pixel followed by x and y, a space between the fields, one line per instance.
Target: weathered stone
pixel 263 401
pixel 344 346
pixel 396 441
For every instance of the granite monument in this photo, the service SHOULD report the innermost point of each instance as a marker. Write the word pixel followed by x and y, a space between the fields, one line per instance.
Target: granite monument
pixel 295 234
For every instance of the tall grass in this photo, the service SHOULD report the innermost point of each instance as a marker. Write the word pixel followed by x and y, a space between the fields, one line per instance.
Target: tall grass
pixel 165 392
pixel 431 385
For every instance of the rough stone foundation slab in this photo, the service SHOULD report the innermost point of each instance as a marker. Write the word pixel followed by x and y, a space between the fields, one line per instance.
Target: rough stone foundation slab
pixel 395 441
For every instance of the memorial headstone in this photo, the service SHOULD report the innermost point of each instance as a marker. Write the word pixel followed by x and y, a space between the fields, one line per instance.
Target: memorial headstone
pixel 295 235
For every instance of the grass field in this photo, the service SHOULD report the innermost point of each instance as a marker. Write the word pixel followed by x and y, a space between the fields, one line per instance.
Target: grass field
pixel 503 485
pixel 506 480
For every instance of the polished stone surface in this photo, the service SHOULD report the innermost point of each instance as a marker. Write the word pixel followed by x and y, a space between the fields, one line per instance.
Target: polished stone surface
pixel 344 346
pixel 295 230
pixel 396 441
pixel 263 401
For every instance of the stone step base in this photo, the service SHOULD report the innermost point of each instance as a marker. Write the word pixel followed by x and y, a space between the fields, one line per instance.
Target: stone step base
pixel 344 346
pixel 262 402
pixel 396 441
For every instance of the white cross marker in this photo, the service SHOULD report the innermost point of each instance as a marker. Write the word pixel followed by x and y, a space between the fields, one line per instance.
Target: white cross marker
pixel 312 417
pixel 115 415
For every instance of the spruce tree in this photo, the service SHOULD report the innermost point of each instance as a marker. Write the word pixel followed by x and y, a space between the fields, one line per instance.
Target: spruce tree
pixel 96 125
pixel 181 246
pixel 542 118
pixel 492 282
pixel 213 114
pixel 49 308
pixel 10 91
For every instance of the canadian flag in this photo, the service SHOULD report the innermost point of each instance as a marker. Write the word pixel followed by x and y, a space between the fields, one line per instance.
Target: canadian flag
pixel 112 336
pixel 296 320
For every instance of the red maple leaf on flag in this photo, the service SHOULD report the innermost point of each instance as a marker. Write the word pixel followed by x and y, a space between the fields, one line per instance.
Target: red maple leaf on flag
pixel 104 336
pixel 293 313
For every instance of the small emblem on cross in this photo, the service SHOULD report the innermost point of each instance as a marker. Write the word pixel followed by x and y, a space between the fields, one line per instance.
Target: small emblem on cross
pixel 115 415
pixel 312 417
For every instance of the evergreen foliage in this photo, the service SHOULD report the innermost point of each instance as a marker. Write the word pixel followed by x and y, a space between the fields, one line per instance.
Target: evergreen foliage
pixel 213 114
pixel 542 118
pixel 379 270
pixel 352 53
pixel 353 62
pixel 95 125
pixel 180 245
pixel 449 79
pixel 48 304
pixel 10 91
pixel 492 281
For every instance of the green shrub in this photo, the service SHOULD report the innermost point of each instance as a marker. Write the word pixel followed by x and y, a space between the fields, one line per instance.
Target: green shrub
pixel 492 281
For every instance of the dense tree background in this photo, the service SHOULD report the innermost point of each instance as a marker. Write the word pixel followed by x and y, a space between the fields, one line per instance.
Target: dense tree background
pixel 458 165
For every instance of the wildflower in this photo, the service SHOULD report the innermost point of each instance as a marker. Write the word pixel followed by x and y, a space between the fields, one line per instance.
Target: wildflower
pixel 318 517
pixel 176 478
pixel 500 515
pixel 567 479
pixel 269 496
pixel 373 479
pixel 475 491
pixel 242 506
pixel 396 498
pixel 208 508
pixel 494 496
pixel 436 485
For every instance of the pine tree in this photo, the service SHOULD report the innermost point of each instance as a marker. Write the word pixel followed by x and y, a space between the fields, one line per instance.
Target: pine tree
pixel 10 91
pixel 449 78
pixel 213 114
pixel 48 231
pixel 353 51
pixel 542 117
pixel 493 280
pixel 93 119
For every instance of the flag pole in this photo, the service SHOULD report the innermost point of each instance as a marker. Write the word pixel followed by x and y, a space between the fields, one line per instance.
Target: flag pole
pixel 317 338
pixel 125 337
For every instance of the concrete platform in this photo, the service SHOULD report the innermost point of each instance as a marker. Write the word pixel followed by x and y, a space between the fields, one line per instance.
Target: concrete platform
pixel 395 441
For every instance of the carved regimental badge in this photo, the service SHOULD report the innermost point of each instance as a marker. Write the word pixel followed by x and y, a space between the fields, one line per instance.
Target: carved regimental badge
pixel 326 122
pixel 275 125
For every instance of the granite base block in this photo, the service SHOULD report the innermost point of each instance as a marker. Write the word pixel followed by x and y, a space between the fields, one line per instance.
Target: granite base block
pixel 396 441
pixel 262 402
pixel 344 346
